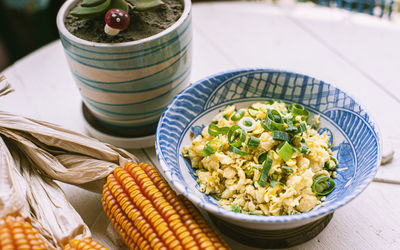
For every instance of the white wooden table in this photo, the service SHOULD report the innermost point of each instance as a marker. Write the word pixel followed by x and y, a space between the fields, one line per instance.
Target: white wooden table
pixel 356 52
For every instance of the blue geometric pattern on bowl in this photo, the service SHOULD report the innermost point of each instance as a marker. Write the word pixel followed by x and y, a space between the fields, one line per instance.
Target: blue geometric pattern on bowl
pixel 357 143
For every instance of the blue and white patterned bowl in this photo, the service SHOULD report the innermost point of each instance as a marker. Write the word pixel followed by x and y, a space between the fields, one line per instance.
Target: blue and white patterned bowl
pixel 357 143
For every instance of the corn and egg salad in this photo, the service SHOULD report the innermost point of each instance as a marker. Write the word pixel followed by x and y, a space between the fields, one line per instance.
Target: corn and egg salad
pixel 264 160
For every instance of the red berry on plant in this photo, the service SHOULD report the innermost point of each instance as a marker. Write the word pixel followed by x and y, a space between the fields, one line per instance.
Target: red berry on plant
pixel 116 20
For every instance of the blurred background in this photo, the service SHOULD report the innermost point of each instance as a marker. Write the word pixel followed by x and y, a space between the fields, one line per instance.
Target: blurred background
pixel 27 25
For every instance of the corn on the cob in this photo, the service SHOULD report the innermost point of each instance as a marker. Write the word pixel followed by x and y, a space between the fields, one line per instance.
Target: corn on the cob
pixel 149 215
pixel 16 233
pixel 86 244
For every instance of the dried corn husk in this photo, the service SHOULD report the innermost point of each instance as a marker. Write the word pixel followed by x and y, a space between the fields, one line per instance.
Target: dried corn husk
pixel 13 186
pixel 62 154
pixel 34 154
pixel 5 87
pixel 54 217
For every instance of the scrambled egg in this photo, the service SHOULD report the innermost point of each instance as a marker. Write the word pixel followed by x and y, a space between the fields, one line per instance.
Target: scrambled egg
pixel 233 170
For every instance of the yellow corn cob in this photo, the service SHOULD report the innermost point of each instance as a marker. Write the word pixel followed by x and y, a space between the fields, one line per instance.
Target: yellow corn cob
pixel 86 244
pixel 16 233
pixel 149 215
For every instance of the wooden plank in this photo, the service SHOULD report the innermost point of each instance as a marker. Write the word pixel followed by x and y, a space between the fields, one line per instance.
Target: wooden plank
pixel 364 42
pixel 99 232
pixel 362 224
pixel 78 196
pixel 207 59
pixel 391 171
pixel 43 78
pixel 151 153
pixel 13 102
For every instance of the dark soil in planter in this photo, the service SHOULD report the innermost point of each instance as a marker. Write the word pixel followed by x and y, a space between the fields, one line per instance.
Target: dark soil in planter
pixel 143 24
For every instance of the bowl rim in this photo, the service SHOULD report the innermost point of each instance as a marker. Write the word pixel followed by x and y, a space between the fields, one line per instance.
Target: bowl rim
pixel 67 6
pixel 215 209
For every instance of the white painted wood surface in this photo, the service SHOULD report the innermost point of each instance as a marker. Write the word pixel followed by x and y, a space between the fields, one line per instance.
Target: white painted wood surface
pixel 356 52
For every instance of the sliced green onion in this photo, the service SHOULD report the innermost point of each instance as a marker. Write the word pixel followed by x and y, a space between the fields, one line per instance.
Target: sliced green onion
pixel 274 120
pixel 236 209
pixel 262 157
pixel 224 130
pixel 265 126
pixel 238 151
pixel 237 115
pixel 247 123
pixel 273 183
pixel 291 127
pixel 280 136
pixel 208 150
pixel 253 142
pixel 253 213
pixel 285 151
pixel 298 109
pixel 296 149
pixel 288 170
pixel 270 102
pixel 321 186
pixel 264 173
pixel 249 172
pixel 252 112
pixel 274 176
pixel 328 166
pixel 212 146
pixel 274 115
pixel 334 160
pixel 302 127
pixel 304 149
pixel 236 136
pixel 257 166
pixel 214 130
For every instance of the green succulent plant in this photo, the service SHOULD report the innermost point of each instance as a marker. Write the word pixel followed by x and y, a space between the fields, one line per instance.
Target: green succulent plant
pixel 93 8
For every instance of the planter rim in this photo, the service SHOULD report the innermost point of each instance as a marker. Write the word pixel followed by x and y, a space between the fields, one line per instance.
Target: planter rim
pixel 69 3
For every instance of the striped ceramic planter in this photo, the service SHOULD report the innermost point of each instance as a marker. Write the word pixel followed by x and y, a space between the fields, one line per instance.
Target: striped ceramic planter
pixel 126 86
